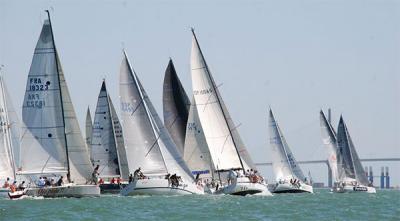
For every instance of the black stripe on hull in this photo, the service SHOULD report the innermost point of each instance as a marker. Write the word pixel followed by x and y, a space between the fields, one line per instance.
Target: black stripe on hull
pixel 246 192
pixel 291 191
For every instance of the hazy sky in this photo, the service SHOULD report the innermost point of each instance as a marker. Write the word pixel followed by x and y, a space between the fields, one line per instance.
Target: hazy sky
pixel 295 56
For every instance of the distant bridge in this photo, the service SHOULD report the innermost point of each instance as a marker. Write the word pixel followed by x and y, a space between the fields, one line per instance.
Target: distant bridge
pixel 329 169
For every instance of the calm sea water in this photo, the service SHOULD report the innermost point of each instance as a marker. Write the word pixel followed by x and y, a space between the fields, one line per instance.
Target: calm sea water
pixel 385 205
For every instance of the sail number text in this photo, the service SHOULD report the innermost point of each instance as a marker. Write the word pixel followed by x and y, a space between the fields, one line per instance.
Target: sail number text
pixel 201 92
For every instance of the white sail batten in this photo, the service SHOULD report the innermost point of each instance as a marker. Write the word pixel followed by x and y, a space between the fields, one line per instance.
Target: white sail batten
pixel 284 164
pixel 9 134
pixel 104 150
pixel 88 132
pixel 217 129
pixel 148 143
pixel 196 153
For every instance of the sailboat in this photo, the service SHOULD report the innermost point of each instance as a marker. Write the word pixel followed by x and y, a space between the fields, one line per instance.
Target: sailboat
pixel 107 145
pixel 347 170
pixel 176 106
pixel 288 174
pixel 227 151
pixel 9 138
pixel 88 133
pixel 151 152
pixel 52 145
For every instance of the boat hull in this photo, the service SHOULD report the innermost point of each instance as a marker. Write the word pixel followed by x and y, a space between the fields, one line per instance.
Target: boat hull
pixel 244 187
pixel 108 188
pixel 354 189
pixel 289 188
pixel 159 187
pixel 76 191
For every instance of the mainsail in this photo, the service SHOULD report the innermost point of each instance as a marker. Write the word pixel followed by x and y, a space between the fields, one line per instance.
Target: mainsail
pixel 148 143
pixel 104 150
pixel 9 134
pixel 330 143
pixel 196 153
pixel 51 139
pixel 88 132
pixel 351 162
pixel 224 143
pixel 176 106
pixel 283 162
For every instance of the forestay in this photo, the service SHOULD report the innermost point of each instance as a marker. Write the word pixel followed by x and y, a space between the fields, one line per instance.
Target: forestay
pixel 147 141
pixel 176 106
pixel 283 162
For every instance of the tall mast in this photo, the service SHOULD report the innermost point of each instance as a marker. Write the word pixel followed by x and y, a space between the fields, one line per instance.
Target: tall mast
pixel 218 99
pixel 61 98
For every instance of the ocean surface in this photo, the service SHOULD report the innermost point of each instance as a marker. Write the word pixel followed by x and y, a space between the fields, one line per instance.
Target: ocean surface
pixel 322 205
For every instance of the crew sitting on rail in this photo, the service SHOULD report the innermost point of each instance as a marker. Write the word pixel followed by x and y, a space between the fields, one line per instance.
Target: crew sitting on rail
pixel 21 186
pixel 13 187
pixel 112 180
pixel 6 183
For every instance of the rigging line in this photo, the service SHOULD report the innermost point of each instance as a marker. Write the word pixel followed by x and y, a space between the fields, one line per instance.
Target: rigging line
pixel 205 105
pixel 137 107
pixel 154 144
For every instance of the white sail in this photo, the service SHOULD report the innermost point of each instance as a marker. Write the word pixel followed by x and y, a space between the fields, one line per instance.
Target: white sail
pixel 196 153
pixel 119 142
pixel 43 138
pixel 351 162
pixel 148 143
pixel 283 162
pixel 104 150
pixel 51 134
pixel 213 116
pixel 88 132
pixel 9 135
pixel 330 143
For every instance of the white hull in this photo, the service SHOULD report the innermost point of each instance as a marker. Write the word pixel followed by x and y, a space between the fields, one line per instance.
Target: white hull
pixel 242 186
pixel 64 191
pixel 354 189
pixel 289 188
pixel 159 187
